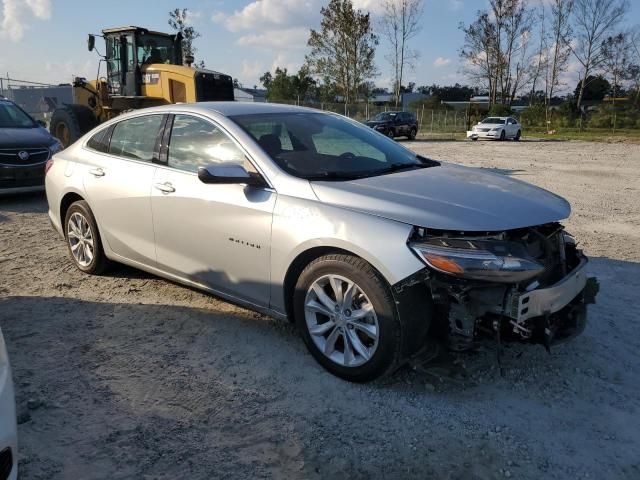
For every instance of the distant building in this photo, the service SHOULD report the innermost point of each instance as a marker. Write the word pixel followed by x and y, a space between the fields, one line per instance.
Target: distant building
pixel 40 99
pixel 250 95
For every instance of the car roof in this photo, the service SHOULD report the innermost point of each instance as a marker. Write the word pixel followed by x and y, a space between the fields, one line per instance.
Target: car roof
pixel 235 108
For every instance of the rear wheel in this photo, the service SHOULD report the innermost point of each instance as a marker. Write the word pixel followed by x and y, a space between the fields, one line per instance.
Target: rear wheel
pixel 346 315
pixel 70 122
pixel 413 133
pixel 83 239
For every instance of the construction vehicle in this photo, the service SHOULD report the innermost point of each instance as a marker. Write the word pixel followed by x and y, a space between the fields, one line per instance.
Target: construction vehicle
pixel 144 69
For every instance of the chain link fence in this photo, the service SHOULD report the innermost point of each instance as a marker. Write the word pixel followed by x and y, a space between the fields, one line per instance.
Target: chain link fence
pixel 444 123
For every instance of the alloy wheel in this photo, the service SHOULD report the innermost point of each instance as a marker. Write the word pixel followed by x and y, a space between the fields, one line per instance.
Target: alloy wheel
pixel 80 238
pixel 341 320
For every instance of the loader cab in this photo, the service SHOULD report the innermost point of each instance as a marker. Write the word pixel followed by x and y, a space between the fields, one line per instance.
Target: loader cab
pixel 129 49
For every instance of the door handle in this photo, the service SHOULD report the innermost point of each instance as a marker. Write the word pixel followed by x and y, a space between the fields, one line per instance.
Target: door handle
pixel 165 187
pixel 97 172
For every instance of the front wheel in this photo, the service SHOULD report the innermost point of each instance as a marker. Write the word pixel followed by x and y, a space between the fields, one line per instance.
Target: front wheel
pixel 390 133
pixel 347 318
pixel 517 137
pixel 412 134
pixel 502 136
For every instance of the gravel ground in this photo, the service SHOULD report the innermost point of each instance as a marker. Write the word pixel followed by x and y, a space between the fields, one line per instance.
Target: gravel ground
pixel 130 376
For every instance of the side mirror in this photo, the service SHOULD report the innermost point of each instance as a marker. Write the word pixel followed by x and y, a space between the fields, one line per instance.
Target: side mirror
pixel 42 123
pixel 91 42
pixel 229 173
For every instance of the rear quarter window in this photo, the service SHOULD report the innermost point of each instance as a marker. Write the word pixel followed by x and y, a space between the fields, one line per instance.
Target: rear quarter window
pixel 100 141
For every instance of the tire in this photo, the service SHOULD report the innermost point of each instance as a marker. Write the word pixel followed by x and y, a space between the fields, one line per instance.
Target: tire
pixel 70 122
pixel 390 134
pixel 475 139
pixel 412 134
pixel 517 137
pixel 384 353
pixel 78 214
pixel 503 135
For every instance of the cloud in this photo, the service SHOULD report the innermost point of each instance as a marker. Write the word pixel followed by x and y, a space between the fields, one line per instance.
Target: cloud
pixel 261 14
pixel 283 61
pixel 291 38
pixel 251 69
pixel 456 5
pixel 17 13
pixel 376 7
pixel 65 72
pixel 441 62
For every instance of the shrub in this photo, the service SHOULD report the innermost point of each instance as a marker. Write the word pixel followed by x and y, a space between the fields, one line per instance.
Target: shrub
pixel 500 110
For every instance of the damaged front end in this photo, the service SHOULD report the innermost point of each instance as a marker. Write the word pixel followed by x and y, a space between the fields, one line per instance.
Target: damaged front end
pixel 528 284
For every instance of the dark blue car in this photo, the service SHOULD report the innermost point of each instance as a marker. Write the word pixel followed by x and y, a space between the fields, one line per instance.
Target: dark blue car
pixel 25 147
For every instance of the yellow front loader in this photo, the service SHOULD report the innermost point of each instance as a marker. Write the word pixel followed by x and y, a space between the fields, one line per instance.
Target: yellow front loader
pixel 143 69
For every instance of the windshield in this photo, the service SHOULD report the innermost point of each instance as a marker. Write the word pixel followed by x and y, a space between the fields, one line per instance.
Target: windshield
pixel 384 117
pixel 319 146
pixel 494 121
pixel 11 116
pixel 155 49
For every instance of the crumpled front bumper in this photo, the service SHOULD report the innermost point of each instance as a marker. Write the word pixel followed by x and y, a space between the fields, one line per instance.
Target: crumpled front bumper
pixel 466 311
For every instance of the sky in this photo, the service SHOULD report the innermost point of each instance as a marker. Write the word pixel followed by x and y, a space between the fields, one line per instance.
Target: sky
pixel 45 40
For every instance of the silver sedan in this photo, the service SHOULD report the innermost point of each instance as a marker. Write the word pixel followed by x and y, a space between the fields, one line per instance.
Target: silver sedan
pixel 368 247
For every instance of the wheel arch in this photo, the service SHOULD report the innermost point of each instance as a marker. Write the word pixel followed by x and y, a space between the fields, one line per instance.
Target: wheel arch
pixel 310 252
pixel 67 200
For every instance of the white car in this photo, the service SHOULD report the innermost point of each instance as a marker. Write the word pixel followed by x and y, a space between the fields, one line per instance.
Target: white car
pixel 8 427
pixel 496 128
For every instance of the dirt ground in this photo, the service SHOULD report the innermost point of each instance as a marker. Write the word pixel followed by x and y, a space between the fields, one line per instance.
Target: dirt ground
pixel 131 376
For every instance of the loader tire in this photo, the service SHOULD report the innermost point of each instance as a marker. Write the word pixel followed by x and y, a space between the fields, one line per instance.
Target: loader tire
pixel 70 122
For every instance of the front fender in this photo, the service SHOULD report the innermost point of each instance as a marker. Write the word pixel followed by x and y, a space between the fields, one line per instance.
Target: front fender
pixel 300 225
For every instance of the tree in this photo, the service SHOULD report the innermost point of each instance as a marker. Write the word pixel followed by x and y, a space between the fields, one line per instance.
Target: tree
pixel 560 31
pixel 634 72
pixel 401 21
pixel 617 52
pixel 178 20
pixel 596 88
pixel 343 50
pixel 542 60
pixel 451 93
pixel 593 21
pixel 496 49
pixel 284 87
pixel 266 79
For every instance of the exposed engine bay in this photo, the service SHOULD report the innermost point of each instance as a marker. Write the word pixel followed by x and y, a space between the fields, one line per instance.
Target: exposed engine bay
pixel 527 285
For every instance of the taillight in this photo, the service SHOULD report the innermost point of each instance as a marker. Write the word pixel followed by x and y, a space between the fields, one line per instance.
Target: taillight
pixel 48 165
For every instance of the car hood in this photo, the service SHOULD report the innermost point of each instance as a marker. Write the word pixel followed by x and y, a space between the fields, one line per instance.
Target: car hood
pixel 25 137
pixel 448 197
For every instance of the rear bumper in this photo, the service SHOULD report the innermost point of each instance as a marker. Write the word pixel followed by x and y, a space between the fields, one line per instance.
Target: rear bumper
pixel 21 179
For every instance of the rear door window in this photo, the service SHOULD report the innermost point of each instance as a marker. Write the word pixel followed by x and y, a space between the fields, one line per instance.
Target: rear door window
pixel 136 138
